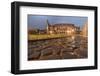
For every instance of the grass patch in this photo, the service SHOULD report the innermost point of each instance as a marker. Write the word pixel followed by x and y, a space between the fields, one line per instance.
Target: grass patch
pixel 45 36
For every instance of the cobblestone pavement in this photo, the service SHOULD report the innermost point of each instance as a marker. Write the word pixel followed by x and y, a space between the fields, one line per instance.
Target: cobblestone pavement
pixel 74 47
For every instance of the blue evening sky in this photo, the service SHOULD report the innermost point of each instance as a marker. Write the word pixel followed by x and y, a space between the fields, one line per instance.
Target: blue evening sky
pixel 40 21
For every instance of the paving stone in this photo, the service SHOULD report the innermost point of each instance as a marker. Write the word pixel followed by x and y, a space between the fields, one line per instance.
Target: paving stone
pixel 50 57
pixel 46 52
pixel 68 55
pixel 62 48
pixel 34 56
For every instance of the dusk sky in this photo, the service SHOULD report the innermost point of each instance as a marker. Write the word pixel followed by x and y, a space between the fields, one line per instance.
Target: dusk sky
pixel 40 21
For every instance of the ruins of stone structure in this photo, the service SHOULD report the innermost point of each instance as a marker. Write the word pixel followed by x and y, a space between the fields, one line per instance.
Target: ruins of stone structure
pixel 85 29
pixel 63 28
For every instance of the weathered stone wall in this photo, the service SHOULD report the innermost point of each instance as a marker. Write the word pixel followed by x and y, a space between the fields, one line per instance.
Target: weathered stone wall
pixel 62 29
pixel 85 29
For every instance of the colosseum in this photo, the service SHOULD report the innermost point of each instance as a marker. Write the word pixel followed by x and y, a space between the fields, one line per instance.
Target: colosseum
pixel 62 28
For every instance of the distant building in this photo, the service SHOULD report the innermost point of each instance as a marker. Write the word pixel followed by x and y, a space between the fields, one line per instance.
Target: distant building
pixel 42 31
pixel 37 31
pixel 33 31
pixel 62 28
pixel 85 29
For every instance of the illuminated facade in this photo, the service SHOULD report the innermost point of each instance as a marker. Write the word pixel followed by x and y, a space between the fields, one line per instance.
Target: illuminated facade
pixel 85 29
pixel 68 29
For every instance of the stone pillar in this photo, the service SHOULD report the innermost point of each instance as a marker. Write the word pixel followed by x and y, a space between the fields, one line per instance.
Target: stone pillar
pixel 85 29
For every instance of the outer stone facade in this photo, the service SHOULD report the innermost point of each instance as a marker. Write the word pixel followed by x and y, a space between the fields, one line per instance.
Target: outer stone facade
pixel 68 29
pixel 85 30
